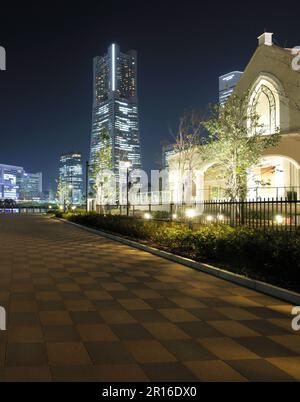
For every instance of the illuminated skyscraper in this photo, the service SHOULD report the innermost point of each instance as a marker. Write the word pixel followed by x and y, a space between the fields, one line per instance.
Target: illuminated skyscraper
pixel 10 181
pixel 227 82
pixel 167 152
pixel 71 178
pixel 32 186
pixel 115 109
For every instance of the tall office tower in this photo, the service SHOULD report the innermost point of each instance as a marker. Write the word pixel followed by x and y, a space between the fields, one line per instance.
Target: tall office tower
pixel 71 177
pixel 10 181
pixel 115 110
pixel 227 82
pixel 167 152
pixel 31 188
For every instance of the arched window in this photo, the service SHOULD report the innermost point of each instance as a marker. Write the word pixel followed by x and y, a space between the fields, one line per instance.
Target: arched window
pixel 265 101
pixel 265 105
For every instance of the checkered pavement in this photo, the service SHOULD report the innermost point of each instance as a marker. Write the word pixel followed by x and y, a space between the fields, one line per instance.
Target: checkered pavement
pixel 82 307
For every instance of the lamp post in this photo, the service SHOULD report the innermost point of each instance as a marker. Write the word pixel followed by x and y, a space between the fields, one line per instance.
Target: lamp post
pixel 190 214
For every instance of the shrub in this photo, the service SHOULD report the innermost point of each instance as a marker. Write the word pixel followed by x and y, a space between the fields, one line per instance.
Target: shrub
pixel 267 255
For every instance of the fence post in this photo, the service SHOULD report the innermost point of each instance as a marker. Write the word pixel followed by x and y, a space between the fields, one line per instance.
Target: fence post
pixel 171 210
pixel 242 213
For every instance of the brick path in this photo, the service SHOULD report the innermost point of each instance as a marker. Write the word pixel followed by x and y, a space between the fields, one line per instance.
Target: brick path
pixel 81 307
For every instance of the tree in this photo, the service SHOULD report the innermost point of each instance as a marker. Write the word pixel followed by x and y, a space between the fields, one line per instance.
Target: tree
pixel 101 169
pixel 188 149
pixel 235 142
pixel 63 193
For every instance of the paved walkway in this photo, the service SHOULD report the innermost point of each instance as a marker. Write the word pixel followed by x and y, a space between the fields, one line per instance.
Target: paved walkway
pixel 82 307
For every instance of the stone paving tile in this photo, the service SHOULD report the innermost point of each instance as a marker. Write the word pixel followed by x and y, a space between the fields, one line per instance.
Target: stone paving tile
pixel 214 370
pixel 259 370
pixel 67 354
pixel 227 349
pixel 120 372
pixel 168 372
pixel 84 308
pixel 265 347
pixel 27 373
pixel 291 342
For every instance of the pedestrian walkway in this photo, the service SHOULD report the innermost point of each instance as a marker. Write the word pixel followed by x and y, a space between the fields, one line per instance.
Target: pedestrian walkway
pixel 82 307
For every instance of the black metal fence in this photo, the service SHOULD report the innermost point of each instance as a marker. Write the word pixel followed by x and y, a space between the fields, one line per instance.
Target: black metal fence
pixel 280 214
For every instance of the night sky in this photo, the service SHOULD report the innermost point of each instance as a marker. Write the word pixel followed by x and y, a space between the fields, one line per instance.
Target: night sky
pixel 183 47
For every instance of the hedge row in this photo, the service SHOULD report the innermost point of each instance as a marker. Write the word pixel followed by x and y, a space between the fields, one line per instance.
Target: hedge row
pixel 271 256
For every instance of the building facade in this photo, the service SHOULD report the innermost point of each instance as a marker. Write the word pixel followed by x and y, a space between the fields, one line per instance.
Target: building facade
pixel 115 111
pixel 273 83
pixel 71 178
pixel 32 187
pixel 167 152
pixel 10 181
pixel 227 83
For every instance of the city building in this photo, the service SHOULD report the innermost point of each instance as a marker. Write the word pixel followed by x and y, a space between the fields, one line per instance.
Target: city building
pixel 71 178
pixel 227 83
pixel 167 152
pixel 49 196
pixel 273 82
pixel 10 181
pixel 32 186
pixel 115 112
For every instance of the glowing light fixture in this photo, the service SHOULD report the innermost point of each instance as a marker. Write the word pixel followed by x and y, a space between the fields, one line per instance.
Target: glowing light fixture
pixel 220 217
pixel 127 164
pixel 190 213
pixel 174 216
pixel 147 215
pixel 209 218
pixel 279 219
pixel 61 207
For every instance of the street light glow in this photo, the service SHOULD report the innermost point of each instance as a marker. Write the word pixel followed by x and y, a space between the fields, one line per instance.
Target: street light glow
pixel 279 219
pixel 127 164
pixel 190 213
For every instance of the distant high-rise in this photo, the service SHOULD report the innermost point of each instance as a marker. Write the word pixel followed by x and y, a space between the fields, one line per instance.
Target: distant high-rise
pixel 71 178
pixel 227 82
pixel 115 109
pixel 10 181
pixel 31 188
pixel 167 152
